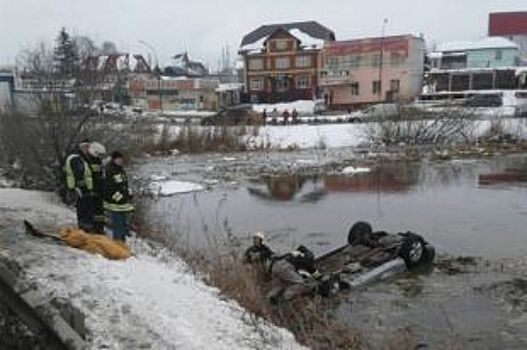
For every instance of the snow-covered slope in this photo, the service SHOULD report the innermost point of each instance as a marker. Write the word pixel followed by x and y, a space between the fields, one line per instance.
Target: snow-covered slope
pixel 149 301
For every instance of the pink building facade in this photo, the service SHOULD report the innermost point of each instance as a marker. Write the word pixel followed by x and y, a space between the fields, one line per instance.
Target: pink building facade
pixel 360 72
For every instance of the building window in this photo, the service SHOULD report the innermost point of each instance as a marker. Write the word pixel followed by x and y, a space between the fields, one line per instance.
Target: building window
pixel 354 61
pixel 396 59
pixel 376 87
pixel 303 61
pixel 256 64
pixel 281 45
pixel 395 85
pixel 256 84
pixel 355 91
pixel 332 61
pixel 303 82
pixel 281 63
pixel 282 85
pixel 499 55
pixel 376 60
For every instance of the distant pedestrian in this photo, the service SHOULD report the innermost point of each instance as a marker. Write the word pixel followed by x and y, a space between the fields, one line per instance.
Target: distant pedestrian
pixel 117 197
pixel 294 116
pixel 285 116
pixel 79 182
pixel 264 117
pixel 274 116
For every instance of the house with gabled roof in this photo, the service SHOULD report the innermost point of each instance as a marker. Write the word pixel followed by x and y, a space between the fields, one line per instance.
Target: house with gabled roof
pixel 281 61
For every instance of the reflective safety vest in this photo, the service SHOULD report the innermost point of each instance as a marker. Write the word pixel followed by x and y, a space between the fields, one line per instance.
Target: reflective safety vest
pixel 70 176
pixel 123 208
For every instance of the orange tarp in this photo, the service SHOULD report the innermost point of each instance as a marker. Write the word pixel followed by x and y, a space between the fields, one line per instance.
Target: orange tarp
pixel 95 244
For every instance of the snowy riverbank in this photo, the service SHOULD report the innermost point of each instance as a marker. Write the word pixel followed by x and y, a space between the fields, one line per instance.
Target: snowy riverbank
pixel 149 301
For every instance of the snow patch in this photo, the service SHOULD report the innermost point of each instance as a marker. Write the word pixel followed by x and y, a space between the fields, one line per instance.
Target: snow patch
pixel 42 207
pixel 301 106
pixel 309 136
pixel 352 170
pixel 173 187
pixel 485 43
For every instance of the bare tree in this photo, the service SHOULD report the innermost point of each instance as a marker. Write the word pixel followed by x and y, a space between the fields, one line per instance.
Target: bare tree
pixel 108 48
pixel 60 88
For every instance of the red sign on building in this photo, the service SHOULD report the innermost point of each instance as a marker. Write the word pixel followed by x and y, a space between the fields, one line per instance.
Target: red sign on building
pixel 508 23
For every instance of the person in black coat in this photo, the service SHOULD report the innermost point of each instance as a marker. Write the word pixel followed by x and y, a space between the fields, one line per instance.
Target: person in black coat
pixel 117 197
pixel 79 183
pixel 258 253
pixel 97 152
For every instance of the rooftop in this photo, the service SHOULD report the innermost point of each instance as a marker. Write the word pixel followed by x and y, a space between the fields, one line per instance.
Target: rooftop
pixel 486 43
pixel 307 31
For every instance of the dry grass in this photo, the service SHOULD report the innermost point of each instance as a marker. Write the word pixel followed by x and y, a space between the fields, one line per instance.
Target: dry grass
pixel 447 128
pixel 309 319
pixel 199 139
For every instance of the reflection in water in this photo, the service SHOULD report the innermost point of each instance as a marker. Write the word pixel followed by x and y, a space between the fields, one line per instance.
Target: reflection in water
pixel 386 179
pixel 279 188
pixel 504 177
pixel 379 182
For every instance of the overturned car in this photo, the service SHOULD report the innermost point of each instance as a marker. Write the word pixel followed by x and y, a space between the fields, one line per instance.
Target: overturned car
pixel 368 256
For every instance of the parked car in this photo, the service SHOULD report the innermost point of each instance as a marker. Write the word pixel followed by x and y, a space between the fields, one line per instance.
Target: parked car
pixel 320 106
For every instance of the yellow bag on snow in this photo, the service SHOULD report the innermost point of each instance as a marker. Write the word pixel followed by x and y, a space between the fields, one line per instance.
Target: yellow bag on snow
pixel 95 244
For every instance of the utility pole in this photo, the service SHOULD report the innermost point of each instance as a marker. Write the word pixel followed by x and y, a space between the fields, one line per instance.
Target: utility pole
pixel 157 72
pixel 381 58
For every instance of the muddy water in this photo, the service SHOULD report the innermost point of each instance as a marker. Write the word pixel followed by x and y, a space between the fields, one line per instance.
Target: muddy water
pixel 465 208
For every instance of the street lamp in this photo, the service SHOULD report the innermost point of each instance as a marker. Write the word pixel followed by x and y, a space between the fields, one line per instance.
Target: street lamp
pixel 157 71
pixel 381 58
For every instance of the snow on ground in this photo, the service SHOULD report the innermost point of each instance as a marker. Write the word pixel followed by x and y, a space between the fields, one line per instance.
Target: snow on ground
pixel 173 187
pixel 309 136
pixel 149 301
pixel 17 205
pixel 302 107
pixel 341 135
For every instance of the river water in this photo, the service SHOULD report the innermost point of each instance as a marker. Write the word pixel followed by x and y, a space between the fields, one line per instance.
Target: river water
pixel 475 208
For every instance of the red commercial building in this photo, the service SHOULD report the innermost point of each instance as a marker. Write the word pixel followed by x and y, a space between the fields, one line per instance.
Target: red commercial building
pixel 281 61
pixel 510 25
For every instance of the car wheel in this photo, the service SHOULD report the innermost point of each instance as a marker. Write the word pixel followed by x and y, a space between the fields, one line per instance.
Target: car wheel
pixel 415 252
pixel 358 231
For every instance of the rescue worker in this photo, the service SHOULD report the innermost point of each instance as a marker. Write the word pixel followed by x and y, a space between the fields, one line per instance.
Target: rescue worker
pixel 258 253
pixel 97 151
pixel 290 277
pixel 79 181
pixel 117 197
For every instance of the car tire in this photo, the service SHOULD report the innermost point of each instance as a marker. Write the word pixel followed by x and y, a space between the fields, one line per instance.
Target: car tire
pixel 415 252
pixel 358 231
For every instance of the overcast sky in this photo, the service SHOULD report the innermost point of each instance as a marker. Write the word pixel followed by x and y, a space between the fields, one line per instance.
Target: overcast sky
pixel 204 27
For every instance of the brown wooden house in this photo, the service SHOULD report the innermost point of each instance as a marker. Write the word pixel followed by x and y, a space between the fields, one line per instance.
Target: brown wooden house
pixel 281 61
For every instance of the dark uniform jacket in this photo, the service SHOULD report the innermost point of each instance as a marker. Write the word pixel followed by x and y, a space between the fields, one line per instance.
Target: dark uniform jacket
pixel 116 192
pixel 258 254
